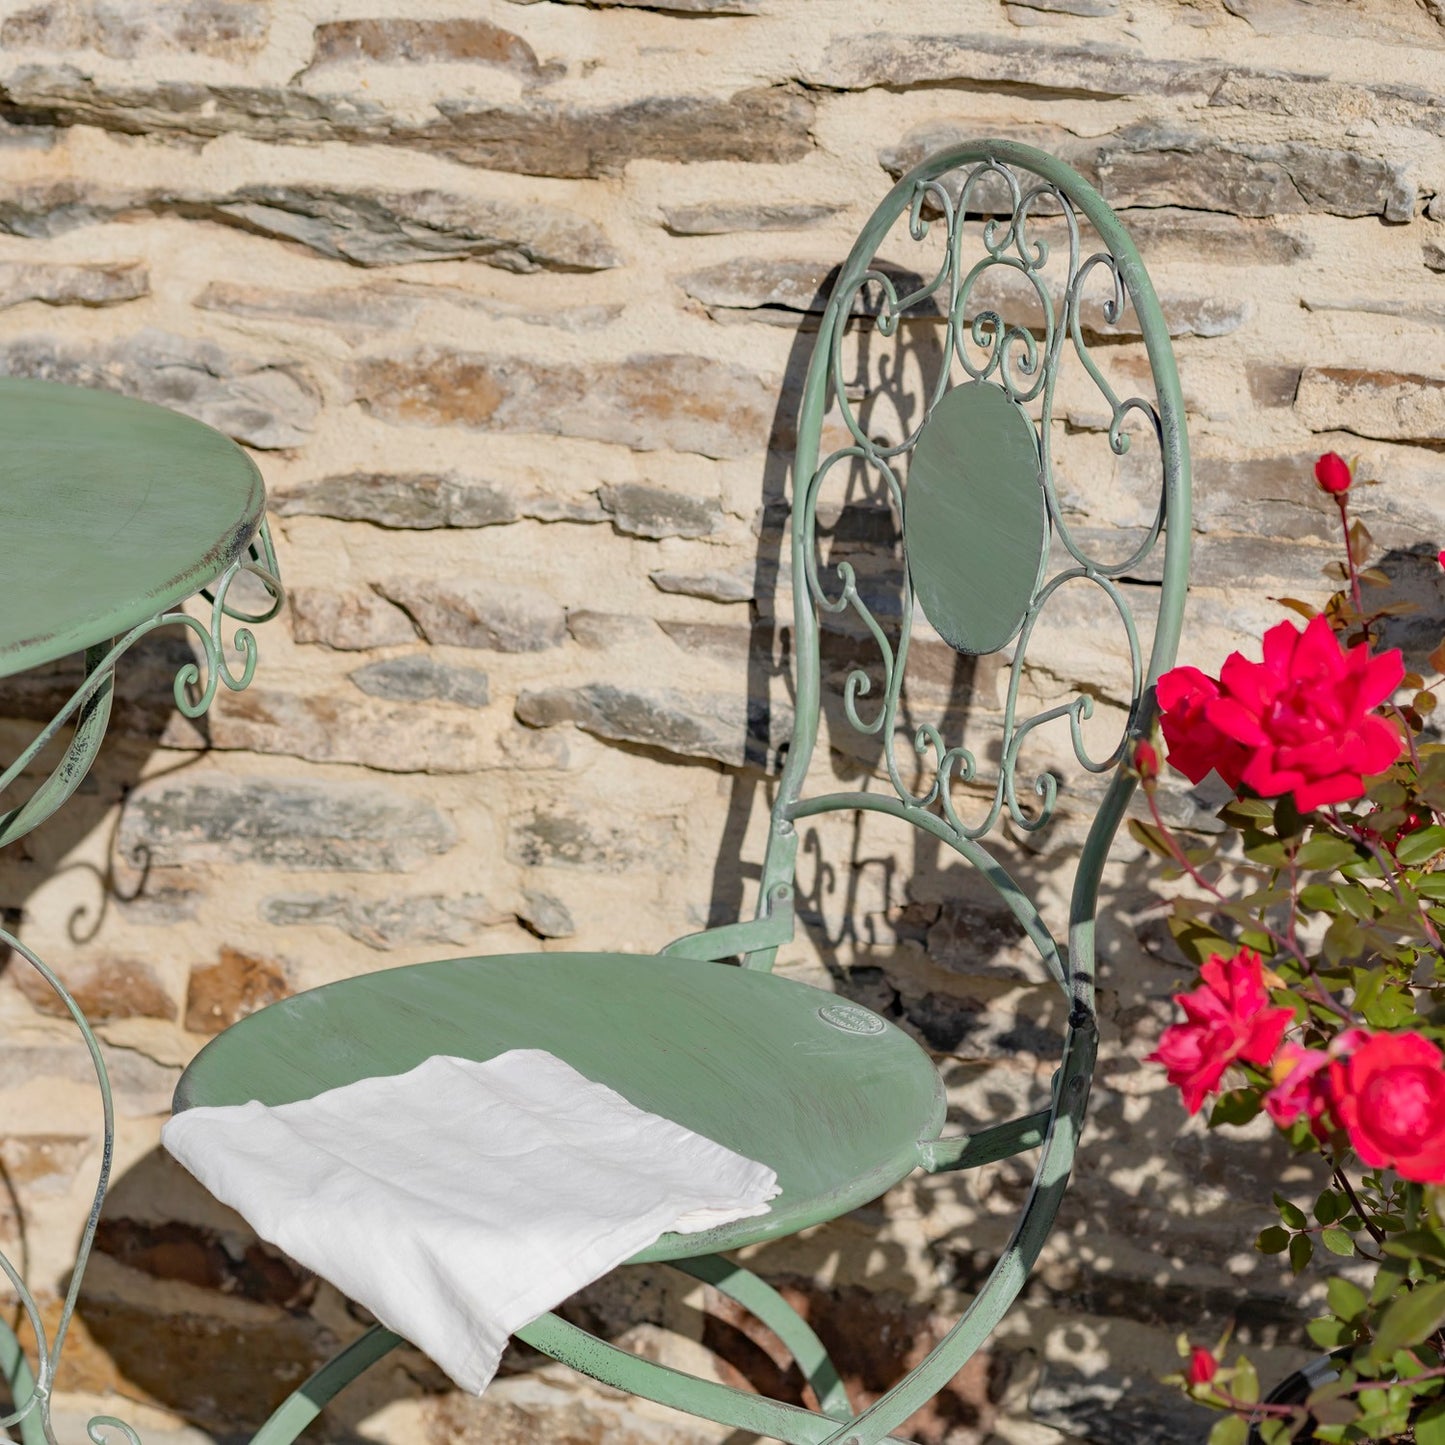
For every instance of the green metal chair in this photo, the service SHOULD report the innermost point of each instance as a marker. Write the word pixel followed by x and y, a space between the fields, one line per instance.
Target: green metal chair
pixel 838 1100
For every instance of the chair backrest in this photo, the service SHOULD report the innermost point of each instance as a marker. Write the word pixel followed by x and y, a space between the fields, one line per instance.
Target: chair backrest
pixel 1027 269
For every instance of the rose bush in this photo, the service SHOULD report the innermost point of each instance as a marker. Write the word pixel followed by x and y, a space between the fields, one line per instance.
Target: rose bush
pixel 1316 918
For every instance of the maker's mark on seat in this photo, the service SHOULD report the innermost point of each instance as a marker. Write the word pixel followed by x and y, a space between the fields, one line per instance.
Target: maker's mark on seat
pixel 851 1019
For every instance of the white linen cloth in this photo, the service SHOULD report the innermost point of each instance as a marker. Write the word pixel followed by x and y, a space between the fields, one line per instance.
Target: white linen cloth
pixel 463 1199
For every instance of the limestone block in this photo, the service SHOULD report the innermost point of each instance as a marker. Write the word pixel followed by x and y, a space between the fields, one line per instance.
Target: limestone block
pixel 462 613
pixel 418 678
pixel 237 984
pixel 195 1255
pixel 1168 165
pixel 287 823
pixel 360 312
pixel 769 123
pixel 418 500
pixel 725 728
pixel 680 7
pixel 736 585
pixel 141 1086
pixel 326 728
pixel 389 923
pixel 365 226
pixel 546 915
pixel 127 29
pixel 266 403
pixel 1328 102
pixel 378 228
pixel 721 218
pixel 901 60
pixel 644 511
pixel 800 286
pixel 554 836
pixel 1390 405
pixel 393 41
pixel 106 988
pixel 647 402
pixel 91 284
pixel 347 619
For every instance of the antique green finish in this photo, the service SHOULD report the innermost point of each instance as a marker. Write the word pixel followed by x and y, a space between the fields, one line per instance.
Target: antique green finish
pixel 125 509
pixel 832 1095
pixel 743 1058
pixel 977 457
pixel 113 512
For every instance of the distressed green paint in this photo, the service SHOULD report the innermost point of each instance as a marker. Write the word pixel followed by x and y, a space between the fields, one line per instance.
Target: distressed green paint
pixel 307 1401
pixel 113 510
pixel 764 1303
pixel 741 1057
pixel 975 527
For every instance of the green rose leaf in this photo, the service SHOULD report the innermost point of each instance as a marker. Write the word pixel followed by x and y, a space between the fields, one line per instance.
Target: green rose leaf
pixel 1231 1430
pixel 1423 843
pixel 1325 851
pixel 1346 1298
pixel 1301 1251
pixel 1430 1425
pixel 1337 1241
pixel 1329 1333
pixel 1292 1214
pixel 1411 1319
pixel 1237 1106
pixel 1319 898
pixel 1273 1240
pixel 1390 1008
pixel 1245 1384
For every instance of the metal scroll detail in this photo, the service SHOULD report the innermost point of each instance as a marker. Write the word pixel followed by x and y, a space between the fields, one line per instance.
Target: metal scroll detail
pixel 88 708
pixel 1024 361
pixel 195 686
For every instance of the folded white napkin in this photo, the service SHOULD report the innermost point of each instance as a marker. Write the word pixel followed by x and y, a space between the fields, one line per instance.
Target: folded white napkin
pixel 463 1199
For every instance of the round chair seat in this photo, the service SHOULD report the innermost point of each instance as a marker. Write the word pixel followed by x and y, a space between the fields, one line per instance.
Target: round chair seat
pixel 828 1094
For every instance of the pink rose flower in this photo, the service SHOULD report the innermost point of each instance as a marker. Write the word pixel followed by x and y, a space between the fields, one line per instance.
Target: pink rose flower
pixel 1228 1017
pixel 1304 714
pixel 1389 1095
pixel 1195 745
pixel 1301 1089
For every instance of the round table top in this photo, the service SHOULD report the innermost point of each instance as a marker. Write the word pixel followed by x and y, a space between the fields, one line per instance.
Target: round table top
pixel 111 510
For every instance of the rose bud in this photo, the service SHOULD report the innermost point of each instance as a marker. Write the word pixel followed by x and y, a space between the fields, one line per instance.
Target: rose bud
pixel 1202 1366
pixel 1146 762
pixel 1333 474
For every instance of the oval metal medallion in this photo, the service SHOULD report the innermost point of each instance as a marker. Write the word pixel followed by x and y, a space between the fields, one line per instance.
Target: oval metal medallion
pixel 974 521
pixel 850 1019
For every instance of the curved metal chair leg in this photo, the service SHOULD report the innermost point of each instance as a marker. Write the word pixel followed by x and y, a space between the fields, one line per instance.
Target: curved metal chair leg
pixel 19 1379
pixel 704 1398
pixel 307 1401
pixel 1001 1288
pixel 762 1301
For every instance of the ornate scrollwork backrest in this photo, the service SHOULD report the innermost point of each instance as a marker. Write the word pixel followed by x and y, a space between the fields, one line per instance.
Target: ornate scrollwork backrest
pixel 980 454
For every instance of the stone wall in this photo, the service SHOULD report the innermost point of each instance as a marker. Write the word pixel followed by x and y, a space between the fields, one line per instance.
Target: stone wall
pixel 511 303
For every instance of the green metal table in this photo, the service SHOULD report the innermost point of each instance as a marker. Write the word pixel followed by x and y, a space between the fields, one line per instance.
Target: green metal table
pixel 112 514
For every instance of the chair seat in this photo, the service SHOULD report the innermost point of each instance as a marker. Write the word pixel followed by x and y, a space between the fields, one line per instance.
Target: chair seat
pixel 831 1096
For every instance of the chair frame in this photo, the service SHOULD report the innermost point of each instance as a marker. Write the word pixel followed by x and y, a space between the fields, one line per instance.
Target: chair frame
pixel 1055 1129
pixel 1013 361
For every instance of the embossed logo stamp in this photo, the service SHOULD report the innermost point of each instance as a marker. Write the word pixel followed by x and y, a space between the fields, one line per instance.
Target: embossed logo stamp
pixel 850 1019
